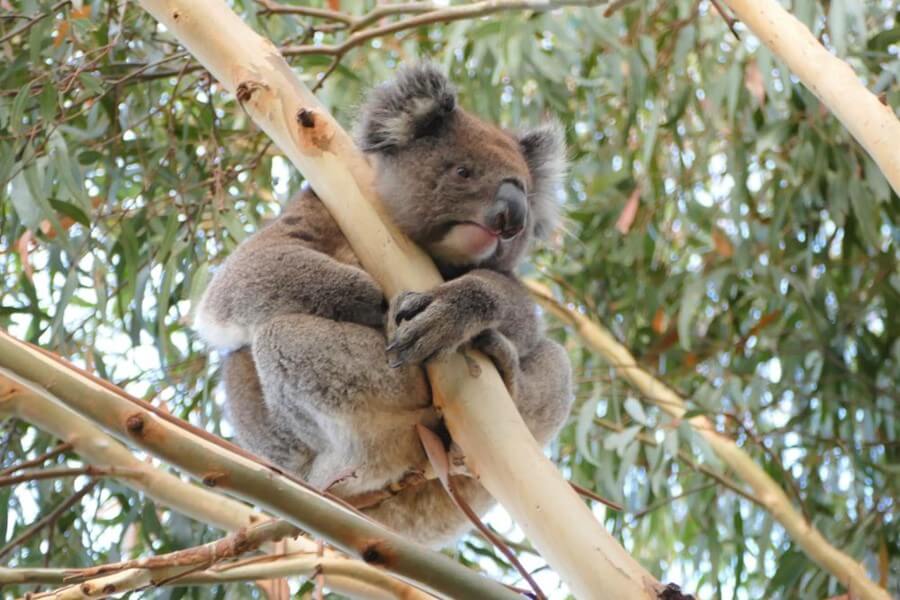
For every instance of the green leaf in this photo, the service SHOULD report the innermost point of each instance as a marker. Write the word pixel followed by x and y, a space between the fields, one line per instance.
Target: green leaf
pixel 636 411
pixel 584 427
pixel 690 302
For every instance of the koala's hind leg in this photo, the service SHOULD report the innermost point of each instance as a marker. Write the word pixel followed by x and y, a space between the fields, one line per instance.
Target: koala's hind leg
pixel 332 380
pixel 257 428
pixel 545 395
pixel 333 367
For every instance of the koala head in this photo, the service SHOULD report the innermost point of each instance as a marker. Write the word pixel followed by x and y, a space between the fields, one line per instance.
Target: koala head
pixel 469 192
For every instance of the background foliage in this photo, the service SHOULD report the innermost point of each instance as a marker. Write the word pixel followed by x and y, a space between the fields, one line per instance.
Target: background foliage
pixel 720 221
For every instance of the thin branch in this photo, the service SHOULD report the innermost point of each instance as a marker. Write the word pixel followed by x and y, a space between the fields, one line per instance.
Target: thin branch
pixel 38 460
pixel 770 494
pixel 274 8
pixel 445 15
pixel 666 501
pixel 205 556
pixel 685 457
pixel 729 20
pixel 48 519
pixel 615 6
pixel 596 497
pixel 89 470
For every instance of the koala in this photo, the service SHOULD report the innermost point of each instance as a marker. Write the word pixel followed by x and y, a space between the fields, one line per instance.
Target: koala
pixel 324 377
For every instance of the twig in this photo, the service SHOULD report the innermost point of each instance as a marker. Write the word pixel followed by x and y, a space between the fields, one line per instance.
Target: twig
pixel 33 21
pixel 48 519
pixel 637 515
pixel 686 458
pixel 262 567
pixel 240 542
pixel 445 15
pixel 90 470
pixel 331 69
pixel 595 496
pixel 38 460
pixel 274 8
pixel 345 21
pixel 614 6
pixel 729 20
pixel 437 456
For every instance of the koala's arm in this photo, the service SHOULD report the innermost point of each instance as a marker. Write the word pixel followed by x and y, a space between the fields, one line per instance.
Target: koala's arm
pixel 272 274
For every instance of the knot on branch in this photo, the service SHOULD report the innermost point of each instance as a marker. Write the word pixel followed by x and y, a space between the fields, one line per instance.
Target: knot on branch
pixel 306 117
pixel 673 591
pixel 315 130
pixel 246 89
pixel 377 553
pixel 135 424
pixel 213 479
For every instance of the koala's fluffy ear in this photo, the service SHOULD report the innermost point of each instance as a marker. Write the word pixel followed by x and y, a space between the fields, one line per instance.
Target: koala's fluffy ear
pixel 545 152
pixel 415 103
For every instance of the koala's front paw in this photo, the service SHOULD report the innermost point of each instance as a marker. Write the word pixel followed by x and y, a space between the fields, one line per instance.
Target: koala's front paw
pixel 419 327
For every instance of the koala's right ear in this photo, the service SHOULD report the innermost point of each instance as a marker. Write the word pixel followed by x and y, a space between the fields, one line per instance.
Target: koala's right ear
pixel 417 102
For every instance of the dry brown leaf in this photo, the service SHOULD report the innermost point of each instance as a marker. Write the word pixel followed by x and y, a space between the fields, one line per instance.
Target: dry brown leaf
pixel 629 212
pixel 81 13
pixel 722 244
pixel 660 321
pixel 23 245
pixel 753 80
pixel 437 454
pixel 62 28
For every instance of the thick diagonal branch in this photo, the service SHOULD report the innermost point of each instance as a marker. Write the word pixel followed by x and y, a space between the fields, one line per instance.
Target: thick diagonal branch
pixel 767 492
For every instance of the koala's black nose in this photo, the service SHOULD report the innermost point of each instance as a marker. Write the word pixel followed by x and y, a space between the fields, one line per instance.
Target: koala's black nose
pixel 507 215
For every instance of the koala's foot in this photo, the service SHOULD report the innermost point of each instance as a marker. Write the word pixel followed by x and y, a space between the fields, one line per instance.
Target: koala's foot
pixel 504 355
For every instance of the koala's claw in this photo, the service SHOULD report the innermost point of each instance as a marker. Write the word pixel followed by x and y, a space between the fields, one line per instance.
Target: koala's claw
pixel 407 305
pixel 419 328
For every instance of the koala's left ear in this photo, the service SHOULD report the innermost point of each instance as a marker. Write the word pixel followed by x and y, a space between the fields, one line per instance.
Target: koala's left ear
pixel 545 152
pixel 417 102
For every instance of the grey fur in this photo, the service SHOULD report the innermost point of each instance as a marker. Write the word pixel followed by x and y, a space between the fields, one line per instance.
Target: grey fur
pixel 322 375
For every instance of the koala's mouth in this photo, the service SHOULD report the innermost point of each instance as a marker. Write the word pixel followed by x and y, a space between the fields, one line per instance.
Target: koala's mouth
pixel 466 242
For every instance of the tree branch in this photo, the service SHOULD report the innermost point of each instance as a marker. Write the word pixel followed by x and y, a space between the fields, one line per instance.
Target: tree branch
pixel 39 408
pixel 214 462
pixel 871 122
pixel 767 491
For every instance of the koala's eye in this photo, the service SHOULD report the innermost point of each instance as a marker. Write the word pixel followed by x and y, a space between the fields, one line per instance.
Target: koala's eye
pixel 463 172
